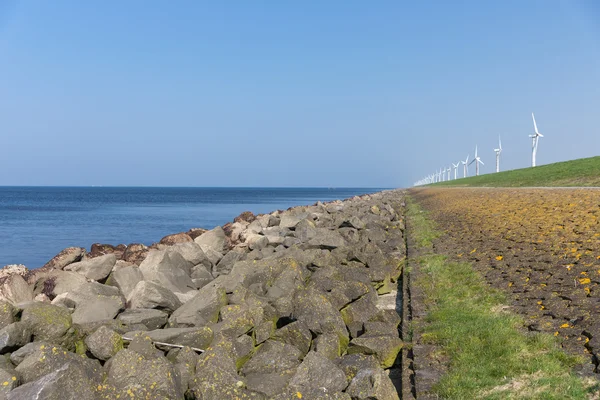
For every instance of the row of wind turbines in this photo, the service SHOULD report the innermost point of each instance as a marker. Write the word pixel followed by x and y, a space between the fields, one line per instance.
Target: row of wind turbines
pixel 445 174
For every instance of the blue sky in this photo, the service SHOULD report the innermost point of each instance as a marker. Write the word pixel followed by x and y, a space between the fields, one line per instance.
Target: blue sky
pixel 267 93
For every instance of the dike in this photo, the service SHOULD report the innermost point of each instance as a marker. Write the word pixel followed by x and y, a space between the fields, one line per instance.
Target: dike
pixel 296 304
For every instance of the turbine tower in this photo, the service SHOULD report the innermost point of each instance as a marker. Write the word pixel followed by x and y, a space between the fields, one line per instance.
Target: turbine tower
pixel 498 151
pixel 534 139
pixel 477 161
pixel 455 166
pixel 465 167
pixel 444 174
pixel 449 170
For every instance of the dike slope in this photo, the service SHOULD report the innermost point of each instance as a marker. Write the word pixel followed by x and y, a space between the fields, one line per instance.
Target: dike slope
pixel 285 305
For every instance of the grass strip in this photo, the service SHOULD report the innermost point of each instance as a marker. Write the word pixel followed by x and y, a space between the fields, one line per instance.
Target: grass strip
pixel 583 172
pixel 489 354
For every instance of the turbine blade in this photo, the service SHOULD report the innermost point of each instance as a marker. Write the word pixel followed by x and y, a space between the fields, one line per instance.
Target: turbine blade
pixel 534 124
pixel 481 162
pixel 500 143
pixel 540 135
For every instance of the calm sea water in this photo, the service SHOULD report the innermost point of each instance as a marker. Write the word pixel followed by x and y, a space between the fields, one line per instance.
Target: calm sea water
pixel 38 222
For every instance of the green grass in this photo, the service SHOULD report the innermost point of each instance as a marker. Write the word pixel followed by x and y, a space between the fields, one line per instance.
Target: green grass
pixel 490 356
pixel 582 172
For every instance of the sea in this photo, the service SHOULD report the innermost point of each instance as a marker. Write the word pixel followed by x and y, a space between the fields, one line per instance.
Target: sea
pixel 36 223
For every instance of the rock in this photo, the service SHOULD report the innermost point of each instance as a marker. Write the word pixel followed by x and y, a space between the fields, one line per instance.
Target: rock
pixel 246 216
pixel 359 311
pixel 256 241
pixel 99 249
pixel 195 232
pixel 192 252
pixel 57 282
pixel 216 374
pixel 243 348
pixel 215 239
pixel 372 384
pixel 312 307
pixel 305 230
pixel 15 290
pixel 297 334
pixel 328 345
pixel 150 318
pixel 9 380
pixel 67 382
pixel 152 295
pixel 168 269
pixel 176 238
pixel 201 276
pixel 212 255
pixel 104 343
pixel 125 279
pixel 7 314
pixel 271 367
pixel 14 336
pixel 197 337
pixel 13 269
pixel 326 239
pixel 352 363
pixel 135 253
pixel 234 231
pixel 95 268
pixel 46 321
pixel 185 361
pixel 318 372
pixel 289 220
pixel 45 360
pixel 225 265
pixel 385 348
pixel 17 356
pixel 201 310
pixel 353 222
pixel 92 302
pixel 147 377
pixel 238 319
pixel 64 258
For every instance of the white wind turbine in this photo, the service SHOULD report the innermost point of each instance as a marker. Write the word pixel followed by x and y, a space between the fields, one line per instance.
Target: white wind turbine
pixel 534 138
pixel 455 166
pixel 477 161
pixel 449 170
pixel 498 151
pixel 444 174
pixel 465 167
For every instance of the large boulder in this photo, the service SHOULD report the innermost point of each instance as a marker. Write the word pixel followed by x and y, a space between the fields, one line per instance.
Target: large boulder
pixel 125 279
pixel 193 253
pixel 65 257
pixel 92 302
pixel 196 337
pixel 225 265
pixel 372 384
pixel 214 239
pixel 176 238
pixel 320 373
pixel 152 295
pixel 145 375
pixel 385 348
pixel 150 318
pixel 104 343
pixel 202 309
pixel 15 290
pixel 96 268
pixel 169 269
pixel 57 282
pixel 7 314
pixel 14 336
pixel 46 321
pixel 66 382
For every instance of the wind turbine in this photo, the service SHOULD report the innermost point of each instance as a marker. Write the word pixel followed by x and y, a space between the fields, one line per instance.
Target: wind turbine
pixel 449 170
pixel 534 138
pixel 465 167
pixel 477 161
pixel 498 151
pixel 444 174
pixel 455 166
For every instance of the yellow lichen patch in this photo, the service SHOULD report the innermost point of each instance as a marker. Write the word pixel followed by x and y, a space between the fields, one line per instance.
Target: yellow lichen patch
pixel 565 325
pixel 585 281
pixel 299 395
pixel 499 258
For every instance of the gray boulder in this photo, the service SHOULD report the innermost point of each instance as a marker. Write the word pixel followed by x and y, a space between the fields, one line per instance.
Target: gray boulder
pixel 146 376
pixel 297 334
pixel 15 290
pixel 152 295
pixel 14 336
pixel 326 239
pixel 67 382
pixel 202 309
pixel 7 313
pixel 169 269
pixel 150 318
pixel 125 279
pixel 192 252
pixel 96 268
pixel 385 348
pixel 46 321
pixel 197 337
pixel 56 282
pixel 372 384
pixel 290 220
pixel 104 343
pixel 65 257
pixel 318 372
pixel 215 239
pixel 225 265
pixel 92 302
